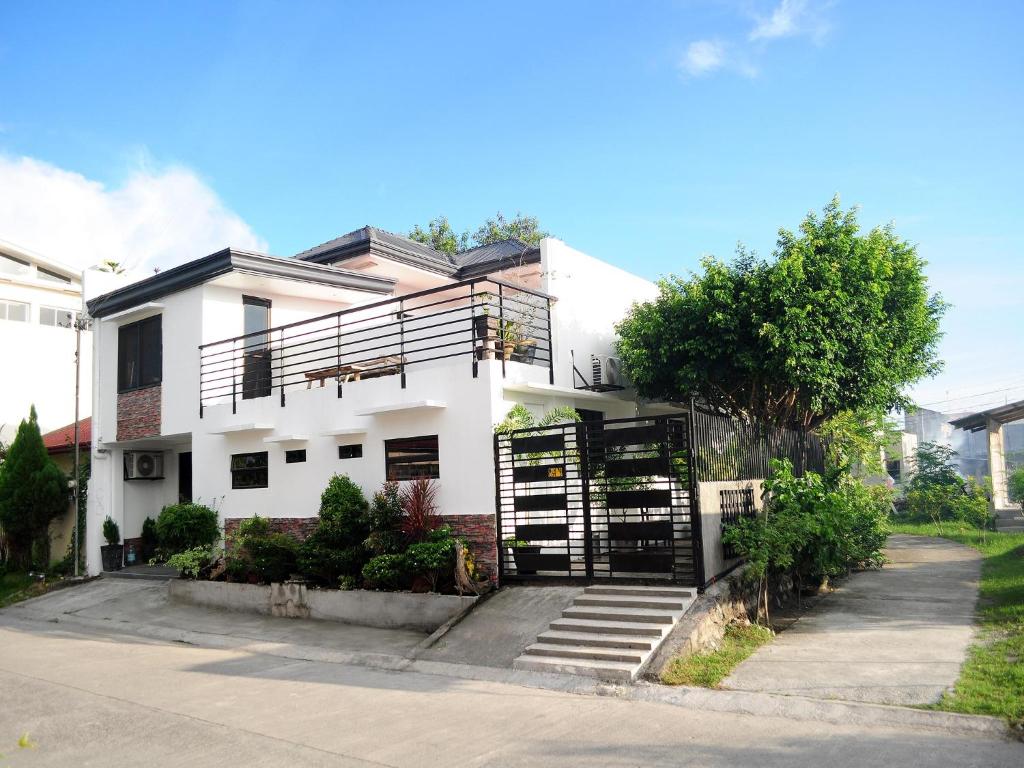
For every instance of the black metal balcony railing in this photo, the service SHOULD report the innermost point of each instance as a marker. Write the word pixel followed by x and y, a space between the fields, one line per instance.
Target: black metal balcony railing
pixel 477 319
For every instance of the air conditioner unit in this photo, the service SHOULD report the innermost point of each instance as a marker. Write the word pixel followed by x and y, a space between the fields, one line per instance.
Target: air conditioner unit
pixel 607 373
pixel 143 465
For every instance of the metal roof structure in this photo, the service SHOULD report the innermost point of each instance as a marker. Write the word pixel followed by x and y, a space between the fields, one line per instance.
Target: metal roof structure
pixel 1004 414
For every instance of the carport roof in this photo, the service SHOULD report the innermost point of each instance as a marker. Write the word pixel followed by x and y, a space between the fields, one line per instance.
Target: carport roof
pixel 1004 414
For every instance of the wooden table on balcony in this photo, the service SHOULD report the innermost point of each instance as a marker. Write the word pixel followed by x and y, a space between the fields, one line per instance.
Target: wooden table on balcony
pixel 367 369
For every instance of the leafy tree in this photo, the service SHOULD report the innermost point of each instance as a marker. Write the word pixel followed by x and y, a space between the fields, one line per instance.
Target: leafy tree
pixel 854 440
pixel 935 467
pixel 1015 485
pixel 440 236
pixel 525 228
pixel 336 547
pixel 836 321
pixel 33 491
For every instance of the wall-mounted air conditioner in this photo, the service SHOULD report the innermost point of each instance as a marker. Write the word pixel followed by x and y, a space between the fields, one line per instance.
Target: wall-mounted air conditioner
pixel 143 465
pixel 606 372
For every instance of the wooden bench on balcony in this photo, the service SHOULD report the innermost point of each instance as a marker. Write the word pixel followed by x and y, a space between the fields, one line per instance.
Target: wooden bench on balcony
pixel 367 369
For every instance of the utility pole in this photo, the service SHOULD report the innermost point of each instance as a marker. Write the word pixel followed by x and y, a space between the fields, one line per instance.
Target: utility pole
pixel 79 322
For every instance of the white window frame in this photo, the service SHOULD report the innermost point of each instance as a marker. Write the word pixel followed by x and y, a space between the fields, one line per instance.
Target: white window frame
pixel 57 310
pixel 6 304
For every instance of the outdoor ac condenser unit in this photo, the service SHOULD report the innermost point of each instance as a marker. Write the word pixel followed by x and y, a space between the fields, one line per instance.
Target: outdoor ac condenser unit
pixel 607 373
pixel 143 465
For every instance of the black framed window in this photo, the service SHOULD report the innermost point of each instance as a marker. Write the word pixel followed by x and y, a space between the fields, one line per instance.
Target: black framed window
pixel 257 375
pixel 140 354
pixel 249 470
pixel 295 457
pixel 410 458
pixel 354 451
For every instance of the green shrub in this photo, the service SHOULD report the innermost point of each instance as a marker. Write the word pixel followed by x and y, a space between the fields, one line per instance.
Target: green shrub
pixel 965 503
pixel 256 554
pixel 385 572
pixel 111 533
pixel 385 521
pixel 191 562
pixel 336 547
pixel 813 527
pixel 149 538
pixel 182 527
pixel 432 559
pixel 1015 486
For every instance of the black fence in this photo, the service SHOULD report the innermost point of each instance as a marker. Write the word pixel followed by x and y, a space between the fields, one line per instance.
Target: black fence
pixel 480 319
pixel 598 500
pixel 729 449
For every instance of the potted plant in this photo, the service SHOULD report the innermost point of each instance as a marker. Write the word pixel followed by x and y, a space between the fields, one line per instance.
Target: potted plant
pixel 523 553
pixel 112 554
pixel 510 333
pixel 485 329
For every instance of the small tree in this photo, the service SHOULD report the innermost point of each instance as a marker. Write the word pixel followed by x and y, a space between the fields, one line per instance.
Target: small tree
pixel 33 491
pixel 1015 485
pixel 440 235
pixel 837 321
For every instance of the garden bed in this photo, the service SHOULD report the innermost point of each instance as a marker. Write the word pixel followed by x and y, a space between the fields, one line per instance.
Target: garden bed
pixel 386 610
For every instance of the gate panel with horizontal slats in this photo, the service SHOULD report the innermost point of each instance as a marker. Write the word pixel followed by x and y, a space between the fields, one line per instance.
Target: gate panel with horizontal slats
pixel 597 500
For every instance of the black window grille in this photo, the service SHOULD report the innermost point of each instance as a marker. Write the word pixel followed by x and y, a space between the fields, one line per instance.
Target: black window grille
pixel 249 470
pixel 736 504
pixel 411 458
pixel 354 451
pixel 295 457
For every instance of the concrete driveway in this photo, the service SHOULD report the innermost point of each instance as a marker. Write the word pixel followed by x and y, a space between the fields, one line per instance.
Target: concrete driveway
pixel 894 636
pixel 77 676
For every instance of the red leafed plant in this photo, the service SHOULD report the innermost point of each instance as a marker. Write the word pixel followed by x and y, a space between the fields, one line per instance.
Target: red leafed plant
pixel 420 509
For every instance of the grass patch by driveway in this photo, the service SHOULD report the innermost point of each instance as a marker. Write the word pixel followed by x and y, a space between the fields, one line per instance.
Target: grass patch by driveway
pixel 18 586
pixel 710 668
pixel 992 679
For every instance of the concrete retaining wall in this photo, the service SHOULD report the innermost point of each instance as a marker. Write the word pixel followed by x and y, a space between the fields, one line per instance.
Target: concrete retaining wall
pixel 388 610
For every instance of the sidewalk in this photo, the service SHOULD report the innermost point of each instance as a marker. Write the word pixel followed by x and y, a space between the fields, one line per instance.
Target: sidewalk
pixel 894 636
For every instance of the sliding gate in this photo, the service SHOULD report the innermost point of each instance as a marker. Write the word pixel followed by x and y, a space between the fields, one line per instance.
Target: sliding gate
pixel 598 500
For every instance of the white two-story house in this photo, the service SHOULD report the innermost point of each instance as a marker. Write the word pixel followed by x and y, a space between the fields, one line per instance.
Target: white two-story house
pixel 245 381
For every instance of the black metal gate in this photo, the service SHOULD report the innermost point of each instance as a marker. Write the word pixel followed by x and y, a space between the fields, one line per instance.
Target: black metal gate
pixel 598 500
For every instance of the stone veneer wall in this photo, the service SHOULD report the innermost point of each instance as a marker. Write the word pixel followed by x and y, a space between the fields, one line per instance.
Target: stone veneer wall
pixel 299 527
pixel 138 413
pixel 482 538
pixel 477 530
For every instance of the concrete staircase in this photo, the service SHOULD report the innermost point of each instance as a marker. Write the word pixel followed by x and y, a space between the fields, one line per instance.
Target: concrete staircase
pixel 1010 520
pixel 608 632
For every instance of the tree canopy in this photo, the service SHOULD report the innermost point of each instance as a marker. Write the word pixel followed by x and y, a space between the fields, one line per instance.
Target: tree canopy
pixel 33 491
pixel 836 321
pixel 440 235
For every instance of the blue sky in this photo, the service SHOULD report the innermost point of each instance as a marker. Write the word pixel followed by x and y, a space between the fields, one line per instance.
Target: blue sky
pixel 646 134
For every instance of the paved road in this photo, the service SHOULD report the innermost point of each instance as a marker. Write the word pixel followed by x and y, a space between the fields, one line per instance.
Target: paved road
pixel 105 698
pixel 894 636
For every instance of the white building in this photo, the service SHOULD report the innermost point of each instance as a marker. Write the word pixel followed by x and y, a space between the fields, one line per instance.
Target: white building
pixel 245 381
pixel 40 299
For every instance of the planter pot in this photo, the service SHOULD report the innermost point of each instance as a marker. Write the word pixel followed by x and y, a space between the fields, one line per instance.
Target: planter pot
pixel 485 332
pixel 507 348
pixel 112 556
pixel 525 559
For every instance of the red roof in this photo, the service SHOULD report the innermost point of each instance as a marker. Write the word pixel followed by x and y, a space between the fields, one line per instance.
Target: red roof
pixel 63 439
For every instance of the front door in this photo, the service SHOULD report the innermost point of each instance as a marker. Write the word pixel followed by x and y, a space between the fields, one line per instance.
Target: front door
pixel 185 477
pixel 256 361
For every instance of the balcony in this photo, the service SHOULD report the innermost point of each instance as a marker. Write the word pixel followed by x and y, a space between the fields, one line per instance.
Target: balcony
pixel 475 320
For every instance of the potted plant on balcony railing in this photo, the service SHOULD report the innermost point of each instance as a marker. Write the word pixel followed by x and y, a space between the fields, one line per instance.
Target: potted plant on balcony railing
pixel 522 555
pixel 510 333
pixel 112 554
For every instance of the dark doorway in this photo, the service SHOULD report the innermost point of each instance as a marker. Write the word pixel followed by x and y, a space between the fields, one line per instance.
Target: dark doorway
pixel 185 477
pixel 256 373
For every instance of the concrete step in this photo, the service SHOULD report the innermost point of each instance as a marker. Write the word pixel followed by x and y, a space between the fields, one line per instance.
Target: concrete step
pixel 585 652
pixel 616 589
pixel 634 628
pixel 635 615
pixel 611 671
pixel 596 639
pixel 634 601
pixel 1010 528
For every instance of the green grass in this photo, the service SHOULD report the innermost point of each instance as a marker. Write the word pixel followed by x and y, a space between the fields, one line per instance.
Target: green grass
pixel 992 679
pixel 711 668
pixel 15 587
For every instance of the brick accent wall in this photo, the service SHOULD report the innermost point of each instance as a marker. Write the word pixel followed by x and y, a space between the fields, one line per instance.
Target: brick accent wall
pixel 299 527
pixel 138 413
pixel 481 535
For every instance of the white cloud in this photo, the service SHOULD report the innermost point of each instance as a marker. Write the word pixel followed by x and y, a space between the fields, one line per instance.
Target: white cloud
pixel 791 18
pixel 703 56
pixel 154 218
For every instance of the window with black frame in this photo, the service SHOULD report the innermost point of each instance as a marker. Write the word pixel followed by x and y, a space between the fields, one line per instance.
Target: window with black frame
pixel 140 354
pixel 249 470
pixel 256 361
pixel 411 458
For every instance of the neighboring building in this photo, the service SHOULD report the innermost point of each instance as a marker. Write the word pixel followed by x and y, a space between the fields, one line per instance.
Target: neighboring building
pixel 901 458
pixel 972 455
pixel 60 444
pixel 245 381
pixel 39 301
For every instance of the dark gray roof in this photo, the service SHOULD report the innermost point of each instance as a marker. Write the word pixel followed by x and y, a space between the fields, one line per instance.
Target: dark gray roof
pixel 389 245
pixel 229 260
pixel 1004 414
pixel 372 240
